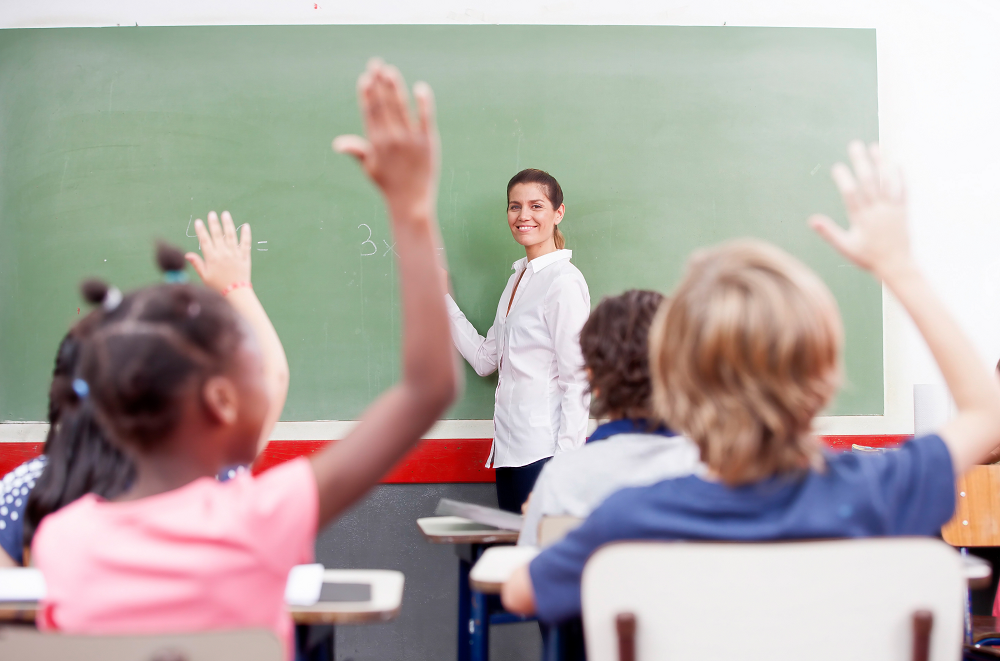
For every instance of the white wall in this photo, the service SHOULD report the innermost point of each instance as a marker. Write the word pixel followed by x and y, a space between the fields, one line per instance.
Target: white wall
pixel 939 100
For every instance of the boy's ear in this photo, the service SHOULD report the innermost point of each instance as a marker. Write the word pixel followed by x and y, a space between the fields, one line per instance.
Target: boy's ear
pixel 221 399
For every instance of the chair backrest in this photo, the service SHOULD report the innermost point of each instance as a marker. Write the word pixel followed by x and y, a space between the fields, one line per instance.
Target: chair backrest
pixel 245 645
pixel 977 509
pixel 551 529
pixel 835 600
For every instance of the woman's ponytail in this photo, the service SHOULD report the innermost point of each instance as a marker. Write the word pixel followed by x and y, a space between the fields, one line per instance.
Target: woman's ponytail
pixel 558 238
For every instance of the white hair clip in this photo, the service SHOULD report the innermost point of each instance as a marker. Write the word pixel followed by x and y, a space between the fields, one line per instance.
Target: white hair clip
pixel 112 299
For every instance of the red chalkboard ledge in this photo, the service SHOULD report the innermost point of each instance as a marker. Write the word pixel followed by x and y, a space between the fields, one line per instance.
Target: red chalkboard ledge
pixel 434 460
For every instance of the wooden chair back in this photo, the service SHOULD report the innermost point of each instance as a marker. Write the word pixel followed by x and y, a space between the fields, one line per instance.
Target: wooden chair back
pixel 551 529
pixel 243 645
pixel 887 599
pixel 977 509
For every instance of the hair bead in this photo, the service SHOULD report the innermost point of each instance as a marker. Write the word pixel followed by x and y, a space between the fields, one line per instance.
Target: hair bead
pixel 81 388
pixel 112 299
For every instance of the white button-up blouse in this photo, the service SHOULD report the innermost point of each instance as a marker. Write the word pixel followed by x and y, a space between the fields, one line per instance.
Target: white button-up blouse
pixel 542 400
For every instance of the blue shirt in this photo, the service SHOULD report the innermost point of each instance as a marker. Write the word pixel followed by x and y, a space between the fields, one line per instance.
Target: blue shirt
pixel 14 490
pixel 628 426
pixel 907 492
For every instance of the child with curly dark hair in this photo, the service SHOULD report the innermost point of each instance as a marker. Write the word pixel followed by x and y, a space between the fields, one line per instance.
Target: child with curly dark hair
pixel 631 448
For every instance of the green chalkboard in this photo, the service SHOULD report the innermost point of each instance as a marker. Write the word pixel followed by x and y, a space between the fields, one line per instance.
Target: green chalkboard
pixel 664 139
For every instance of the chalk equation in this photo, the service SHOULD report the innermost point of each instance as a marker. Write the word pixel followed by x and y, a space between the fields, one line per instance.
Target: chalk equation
pixel 374 246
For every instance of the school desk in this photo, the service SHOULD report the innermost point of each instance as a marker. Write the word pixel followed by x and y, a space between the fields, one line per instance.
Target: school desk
pixel 313 624
pixel 496 565
pixel 476 611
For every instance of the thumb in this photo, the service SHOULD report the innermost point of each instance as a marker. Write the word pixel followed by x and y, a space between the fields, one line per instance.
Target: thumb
pixel 197 263
pixel 353 145
pixel 833 233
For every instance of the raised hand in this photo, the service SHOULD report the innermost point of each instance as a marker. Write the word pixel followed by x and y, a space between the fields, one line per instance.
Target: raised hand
pixel 401 153
pixel 877 239
pixel 226 259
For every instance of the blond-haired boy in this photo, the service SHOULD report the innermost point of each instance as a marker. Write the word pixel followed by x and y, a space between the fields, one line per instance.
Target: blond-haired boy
pixel 744 357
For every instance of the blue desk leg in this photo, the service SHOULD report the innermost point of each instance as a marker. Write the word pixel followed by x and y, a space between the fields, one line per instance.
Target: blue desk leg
pixel 464 597
pixel 968 608
pixel 315 642
pixel 479 625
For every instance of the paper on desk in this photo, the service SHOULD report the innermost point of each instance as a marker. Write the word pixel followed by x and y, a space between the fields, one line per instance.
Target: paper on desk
pixel 305 582
pixel 21 584
pixel 486 515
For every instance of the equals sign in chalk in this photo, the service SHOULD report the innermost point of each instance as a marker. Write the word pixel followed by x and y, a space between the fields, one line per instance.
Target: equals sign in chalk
pixel 262 249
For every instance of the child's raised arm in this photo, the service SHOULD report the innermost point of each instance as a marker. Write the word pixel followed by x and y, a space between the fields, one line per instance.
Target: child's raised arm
pixel 226 269
pixel 401 157
pixel 877 241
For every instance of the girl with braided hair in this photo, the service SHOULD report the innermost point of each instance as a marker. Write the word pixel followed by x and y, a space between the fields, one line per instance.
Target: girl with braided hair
pixel 188 379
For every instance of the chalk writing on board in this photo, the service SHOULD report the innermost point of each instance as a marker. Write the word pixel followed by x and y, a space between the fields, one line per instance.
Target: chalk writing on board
pixel 389 248
pixel 368 240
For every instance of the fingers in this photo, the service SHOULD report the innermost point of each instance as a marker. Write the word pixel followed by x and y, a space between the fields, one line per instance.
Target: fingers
pixel 197 263
pixel 866 174
pixel 229 229
pixel 890 178
pixel 847 186
pixel 425 108
pixel 397 98
pixel 833 233
pixel 204 238
pixel 374 104
pixel 353 145
pixel 214 228
pixel 246 239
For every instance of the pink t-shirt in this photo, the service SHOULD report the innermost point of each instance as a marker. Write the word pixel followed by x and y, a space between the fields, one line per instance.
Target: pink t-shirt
pixel 209 555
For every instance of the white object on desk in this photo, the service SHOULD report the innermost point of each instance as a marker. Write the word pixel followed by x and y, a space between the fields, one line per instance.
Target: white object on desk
pixel 21 584
pixel 490 516
pixel 384 604
pixel 458 530
pixel 305 582
pixel 497 564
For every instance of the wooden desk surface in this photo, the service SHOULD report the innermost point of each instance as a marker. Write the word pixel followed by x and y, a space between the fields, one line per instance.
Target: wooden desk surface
pixel 387 598
pixel 983 626
pixel 456 530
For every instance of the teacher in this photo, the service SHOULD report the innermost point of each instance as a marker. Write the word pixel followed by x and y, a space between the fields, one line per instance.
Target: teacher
pixel 542 399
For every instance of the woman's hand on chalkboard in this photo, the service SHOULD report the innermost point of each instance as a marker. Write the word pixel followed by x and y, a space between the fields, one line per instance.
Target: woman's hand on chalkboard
pixel 400 154
pixel 226 258
pixel 877 239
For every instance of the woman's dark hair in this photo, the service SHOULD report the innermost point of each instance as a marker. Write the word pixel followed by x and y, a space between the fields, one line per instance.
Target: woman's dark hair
pixel 553 191
pixel 79 458
pixel 615 345
pixel 147 350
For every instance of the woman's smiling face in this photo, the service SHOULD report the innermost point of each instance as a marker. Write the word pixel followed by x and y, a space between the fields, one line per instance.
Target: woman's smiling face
pixel 530 215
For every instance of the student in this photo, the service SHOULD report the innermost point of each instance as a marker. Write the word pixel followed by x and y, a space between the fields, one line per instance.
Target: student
pixel 76 459
pixel 747 353
pixel 541 399
pixel 181 376
pixel 631 449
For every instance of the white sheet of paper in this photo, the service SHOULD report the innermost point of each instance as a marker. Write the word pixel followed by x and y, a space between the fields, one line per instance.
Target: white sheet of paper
pixel 21 584
pixel 305 582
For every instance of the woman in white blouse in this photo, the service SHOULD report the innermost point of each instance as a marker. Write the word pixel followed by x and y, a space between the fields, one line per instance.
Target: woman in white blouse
pixel 542 399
